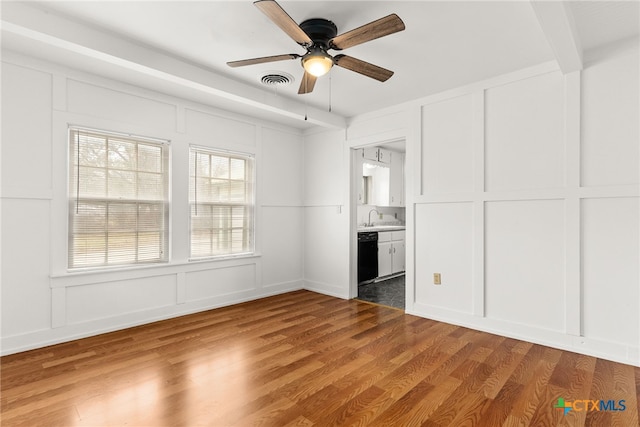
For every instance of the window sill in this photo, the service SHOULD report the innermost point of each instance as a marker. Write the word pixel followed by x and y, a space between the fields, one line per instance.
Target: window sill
pixel 222 257
pixel 112 274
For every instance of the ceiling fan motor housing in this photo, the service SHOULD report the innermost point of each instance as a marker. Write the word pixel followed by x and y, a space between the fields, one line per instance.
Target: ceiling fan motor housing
pixel 320 31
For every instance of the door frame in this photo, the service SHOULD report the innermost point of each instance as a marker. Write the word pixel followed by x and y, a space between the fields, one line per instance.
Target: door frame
pixel 355 175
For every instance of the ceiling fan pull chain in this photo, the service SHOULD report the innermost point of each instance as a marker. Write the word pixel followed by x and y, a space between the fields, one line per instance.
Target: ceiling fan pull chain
pixel 330 90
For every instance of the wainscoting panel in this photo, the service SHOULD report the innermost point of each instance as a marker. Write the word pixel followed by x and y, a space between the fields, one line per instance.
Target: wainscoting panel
pixel 524 129
pixel 93 100
pixel 447 146
pixel 211 283
pixel 610 276
pixel 113 299
pixel 610 132
pixel 219 131
pixel 524 258
pixel 444 244
pixel 26 149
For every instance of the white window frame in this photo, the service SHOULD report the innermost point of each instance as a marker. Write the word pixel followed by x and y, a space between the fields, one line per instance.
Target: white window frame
pixel 75 198
pixel 249 204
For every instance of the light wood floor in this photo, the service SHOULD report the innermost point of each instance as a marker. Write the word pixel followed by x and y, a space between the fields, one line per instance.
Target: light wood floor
pixel 303 359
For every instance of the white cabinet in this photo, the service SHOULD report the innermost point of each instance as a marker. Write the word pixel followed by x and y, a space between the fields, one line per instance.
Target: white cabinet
pixel 385 255
pixel 396 180
pixel 358 161
pixel 391 252
pixel 375 184
pixel 398 259
pixel 370 153
pixel 382 182
pixel 384 156
pixel 380 193
pixel 377 154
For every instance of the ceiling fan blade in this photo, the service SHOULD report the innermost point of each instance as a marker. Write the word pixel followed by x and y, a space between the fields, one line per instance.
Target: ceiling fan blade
pixel 362 67
pixel 373 30
pixel 307 83
pixel 262 60
pixel 282 19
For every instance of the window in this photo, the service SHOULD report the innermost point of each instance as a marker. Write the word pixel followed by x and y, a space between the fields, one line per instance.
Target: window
pixel 118 199
pixel 222 203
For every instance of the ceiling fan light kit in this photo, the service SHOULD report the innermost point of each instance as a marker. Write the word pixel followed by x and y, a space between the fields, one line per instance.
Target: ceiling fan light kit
pixel 317 63
pixel 319 35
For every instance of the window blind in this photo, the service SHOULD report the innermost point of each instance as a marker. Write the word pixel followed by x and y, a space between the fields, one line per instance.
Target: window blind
pixel 118 199
pixel 221 197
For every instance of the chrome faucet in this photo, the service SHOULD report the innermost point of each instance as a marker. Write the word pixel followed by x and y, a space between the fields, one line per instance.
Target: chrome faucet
pixel 370 224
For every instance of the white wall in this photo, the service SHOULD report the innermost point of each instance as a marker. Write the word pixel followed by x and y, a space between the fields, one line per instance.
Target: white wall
pixel 326 226
pixel 529 208
pixel 523 192
pixel 42 303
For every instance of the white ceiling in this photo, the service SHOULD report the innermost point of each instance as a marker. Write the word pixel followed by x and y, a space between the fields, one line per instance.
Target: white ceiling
pixel 446 44
pixel 600 23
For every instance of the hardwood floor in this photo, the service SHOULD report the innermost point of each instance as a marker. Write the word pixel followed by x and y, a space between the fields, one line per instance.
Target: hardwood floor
pixel 304 359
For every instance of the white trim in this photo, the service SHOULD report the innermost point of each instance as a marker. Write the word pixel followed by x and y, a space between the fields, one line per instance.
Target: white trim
pixel 65 333
pixel 326 289
pixel 12 192
pixel 478 275
pixel 181 287
pixel 92 277
pixel 556 21
pixel 573 291
pixel 614 351
pixel 58 33
pixel 413 186
pixel 122 135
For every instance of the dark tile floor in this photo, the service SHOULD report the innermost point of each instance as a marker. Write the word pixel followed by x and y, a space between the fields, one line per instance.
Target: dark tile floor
pixel 387 292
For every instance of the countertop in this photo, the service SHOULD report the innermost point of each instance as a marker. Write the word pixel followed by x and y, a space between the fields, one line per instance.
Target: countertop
pixel 381 228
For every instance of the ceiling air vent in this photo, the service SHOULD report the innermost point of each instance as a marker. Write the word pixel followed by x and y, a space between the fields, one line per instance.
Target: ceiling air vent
pixel 276 78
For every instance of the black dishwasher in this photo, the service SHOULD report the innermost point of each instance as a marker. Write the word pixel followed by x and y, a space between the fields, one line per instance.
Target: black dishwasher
pixel 367 256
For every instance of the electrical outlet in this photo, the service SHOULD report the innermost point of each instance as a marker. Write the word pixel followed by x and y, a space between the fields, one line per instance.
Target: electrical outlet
pixel 379 216
pixel 437 280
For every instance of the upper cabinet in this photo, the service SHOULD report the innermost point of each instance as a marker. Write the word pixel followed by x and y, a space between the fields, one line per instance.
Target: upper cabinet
pixel 377 154
pixel 396 179
pixel 382 181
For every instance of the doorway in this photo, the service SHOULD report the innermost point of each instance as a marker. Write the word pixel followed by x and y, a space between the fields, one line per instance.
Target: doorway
pixel 378 222
pixel 389 292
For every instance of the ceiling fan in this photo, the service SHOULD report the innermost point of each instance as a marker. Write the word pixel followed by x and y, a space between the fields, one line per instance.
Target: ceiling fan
pixel 319 35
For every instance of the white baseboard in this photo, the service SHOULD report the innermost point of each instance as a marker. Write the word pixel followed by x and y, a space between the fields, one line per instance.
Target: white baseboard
pixel 616 352
pixel 326 289
pixel 42 338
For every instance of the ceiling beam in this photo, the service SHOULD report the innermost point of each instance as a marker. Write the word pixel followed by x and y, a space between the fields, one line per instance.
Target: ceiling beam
pixel 68 37
pixel 558 26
